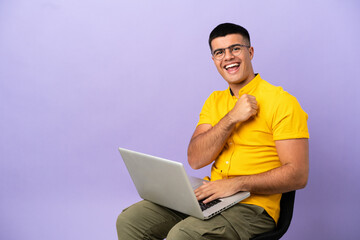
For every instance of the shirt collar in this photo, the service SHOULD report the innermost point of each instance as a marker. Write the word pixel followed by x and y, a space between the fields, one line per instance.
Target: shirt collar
pixel 248 87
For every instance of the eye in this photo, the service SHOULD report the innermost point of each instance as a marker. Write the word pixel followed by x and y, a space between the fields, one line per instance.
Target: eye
pixel 218 52
pixel 236 49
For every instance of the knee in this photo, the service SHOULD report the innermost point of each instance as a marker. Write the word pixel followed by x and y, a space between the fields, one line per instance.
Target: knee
pixel 123 227
pixel 121 222
pixel 127 219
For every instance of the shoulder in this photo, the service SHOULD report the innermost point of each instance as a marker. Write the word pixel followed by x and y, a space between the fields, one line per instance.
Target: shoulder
pixel 219 95
pixel 275 94
pixel 276 103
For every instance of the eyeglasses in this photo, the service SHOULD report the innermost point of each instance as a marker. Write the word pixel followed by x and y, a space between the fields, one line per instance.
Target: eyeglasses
pixel 235 50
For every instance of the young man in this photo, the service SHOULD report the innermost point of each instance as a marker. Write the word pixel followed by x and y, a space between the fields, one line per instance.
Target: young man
pixel 256 137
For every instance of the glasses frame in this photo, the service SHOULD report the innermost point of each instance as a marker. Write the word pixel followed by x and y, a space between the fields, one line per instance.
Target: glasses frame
pixel 230 50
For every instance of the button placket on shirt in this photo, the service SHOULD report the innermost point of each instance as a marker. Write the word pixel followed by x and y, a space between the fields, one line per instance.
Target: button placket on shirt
pixel 228 162
pixel 231 146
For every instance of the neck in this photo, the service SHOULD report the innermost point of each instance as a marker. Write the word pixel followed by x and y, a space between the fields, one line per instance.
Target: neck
pixel 235 87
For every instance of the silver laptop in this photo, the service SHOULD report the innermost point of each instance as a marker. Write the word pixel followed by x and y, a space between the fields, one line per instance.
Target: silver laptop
pixel 166 183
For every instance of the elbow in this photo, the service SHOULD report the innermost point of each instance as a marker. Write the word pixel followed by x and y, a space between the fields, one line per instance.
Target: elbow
pixel 195 167
pixel 302 181
pixel 197 160
pixel 298 176
pixel 193 159
pixel 193 163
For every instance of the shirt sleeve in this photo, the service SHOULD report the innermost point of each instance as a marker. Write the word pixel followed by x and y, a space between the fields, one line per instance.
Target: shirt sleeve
pixel 206 116
pixel 290 120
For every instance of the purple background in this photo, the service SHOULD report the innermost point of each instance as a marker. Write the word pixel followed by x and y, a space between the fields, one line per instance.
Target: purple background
pixel 80 78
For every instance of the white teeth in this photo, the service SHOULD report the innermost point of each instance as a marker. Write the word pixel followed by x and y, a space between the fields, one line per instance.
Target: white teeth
pixel 231 65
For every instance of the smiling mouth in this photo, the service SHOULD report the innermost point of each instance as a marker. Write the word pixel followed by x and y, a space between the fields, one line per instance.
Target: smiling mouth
pixel 232 67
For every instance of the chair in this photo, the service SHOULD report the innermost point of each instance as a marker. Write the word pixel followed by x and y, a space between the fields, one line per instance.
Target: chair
pixel 286 212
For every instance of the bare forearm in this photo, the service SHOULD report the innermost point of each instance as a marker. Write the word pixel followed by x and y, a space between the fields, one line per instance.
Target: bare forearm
pixel 292 175
pixel 207 142
pixel 206 146
pixel 279 180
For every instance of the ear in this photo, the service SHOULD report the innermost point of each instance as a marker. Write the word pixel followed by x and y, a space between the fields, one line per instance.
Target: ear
pixel 251 52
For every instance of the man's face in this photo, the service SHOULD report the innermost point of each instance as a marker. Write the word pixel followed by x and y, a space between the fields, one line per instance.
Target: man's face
pixel 234 69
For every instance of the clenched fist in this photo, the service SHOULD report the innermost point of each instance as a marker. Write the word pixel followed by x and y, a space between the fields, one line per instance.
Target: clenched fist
pixel 245 107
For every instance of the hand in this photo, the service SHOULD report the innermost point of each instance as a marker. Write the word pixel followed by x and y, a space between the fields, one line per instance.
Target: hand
pixel 217 189
pixel 244 108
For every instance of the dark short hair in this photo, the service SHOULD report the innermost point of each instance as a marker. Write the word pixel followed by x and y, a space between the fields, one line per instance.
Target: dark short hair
pixel 228 28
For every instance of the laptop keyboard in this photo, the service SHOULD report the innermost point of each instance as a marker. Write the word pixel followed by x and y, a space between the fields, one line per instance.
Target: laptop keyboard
pixel 205 206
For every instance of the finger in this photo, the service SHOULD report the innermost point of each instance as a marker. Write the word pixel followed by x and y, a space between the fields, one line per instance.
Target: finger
pixel 199 198
pixel 204 194
pixel 210 198
pixel 250 97
pixel 243 96
pixel 253 113
pixel 201 195
pixel 254 102
pixel 201 188
pixel 198 192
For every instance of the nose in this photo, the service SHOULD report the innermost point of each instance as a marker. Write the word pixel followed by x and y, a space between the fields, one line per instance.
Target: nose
pixel 228 54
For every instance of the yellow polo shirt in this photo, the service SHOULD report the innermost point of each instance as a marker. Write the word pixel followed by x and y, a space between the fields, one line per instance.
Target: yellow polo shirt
pixel 251 147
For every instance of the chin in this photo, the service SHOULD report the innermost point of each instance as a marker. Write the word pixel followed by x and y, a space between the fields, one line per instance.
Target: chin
pixel 235 80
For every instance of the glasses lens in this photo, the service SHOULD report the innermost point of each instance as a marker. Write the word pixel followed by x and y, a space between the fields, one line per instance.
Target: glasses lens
pixel 236 50
pixel 219 54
